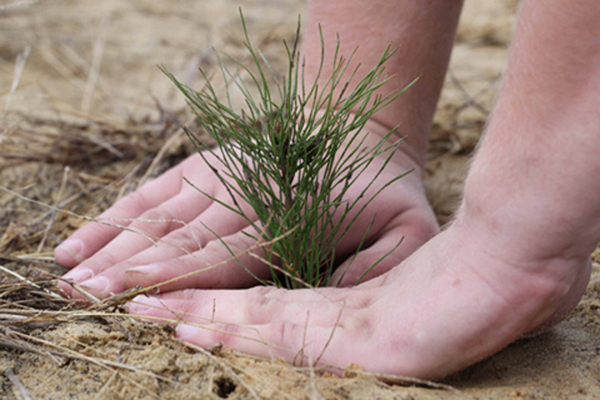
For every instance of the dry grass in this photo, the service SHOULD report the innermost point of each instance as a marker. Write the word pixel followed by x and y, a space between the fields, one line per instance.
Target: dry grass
pixel 85 118
pixel 89 165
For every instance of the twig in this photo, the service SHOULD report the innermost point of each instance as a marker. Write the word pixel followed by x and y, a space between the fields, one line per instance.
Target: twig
pixel 226 367
pixel 106 384
pixel 25 260
pixel 173 139
pixel 90 85
pixel 407 380
pixel 17 384
pixel 335 326
pixel 315 394
pixel 17 4
pixel 19 68
pixel 83 217
pixel 106 364
pixel 61 189
pixel 470 101
pixel 23 279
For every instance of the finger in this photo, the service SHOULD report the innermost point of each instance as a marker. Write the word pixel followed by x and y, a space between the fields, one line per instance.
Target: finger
pixel 141 235
pixel 215 222
pixel 229 262
pixel 108 276
pixel 264 322
pixel 201 306
pixel 222 263
pixel 92 237
pixel 148 228
pixel 172 220
pixel 403 236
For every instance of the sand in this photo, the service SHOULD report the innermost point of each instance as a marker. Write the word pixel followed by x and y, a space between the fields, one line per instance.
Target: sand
pixel 90 98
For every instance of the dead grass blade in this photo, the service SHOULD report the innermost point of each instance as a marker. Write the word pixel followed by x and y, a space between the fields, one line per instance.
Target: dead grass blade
pixel 17 384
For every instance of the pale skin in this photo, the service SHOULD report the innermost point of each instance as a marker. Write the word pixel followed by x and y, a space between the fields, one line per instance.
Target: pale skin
pixel 515 259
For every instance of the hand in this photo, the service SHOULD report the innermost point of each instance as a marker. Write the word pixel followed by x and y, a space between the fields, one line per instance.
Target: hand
pixel 368 324
pixel 173 217
pixel 449 305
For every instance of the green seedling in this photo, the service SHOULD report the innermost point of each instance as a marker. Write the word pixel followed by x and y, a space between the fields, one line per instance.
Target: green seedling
pixel 292 152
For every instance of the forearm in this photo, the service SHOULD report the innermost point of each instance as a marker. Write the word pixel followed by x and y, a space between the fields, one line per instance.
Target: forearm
pixel 541 150
pixel 422 31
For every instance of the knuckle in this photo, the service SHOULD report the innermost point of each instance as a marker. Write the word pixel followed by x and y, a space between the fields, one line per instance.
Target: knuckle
pixel 263 307
pixel 288 334
pixel 185 239
pixel 234 244
pixel 262 293
pixel 136 200
pixel 101 261
pixel 156 221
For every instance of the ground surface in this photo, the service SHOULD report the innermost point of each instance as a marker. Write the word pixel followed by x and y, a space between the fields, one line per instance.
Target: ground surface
pixel 92 118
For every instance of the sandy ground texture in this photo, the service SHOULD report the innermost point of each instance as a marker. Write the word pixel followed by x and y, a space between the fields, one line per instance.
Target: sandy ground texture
pixel 86 117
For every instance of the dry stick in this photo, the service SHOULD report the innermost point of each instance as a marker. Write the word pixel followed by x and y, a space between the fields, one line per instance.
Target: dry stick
pixel 98 52
pixel 85 293
pixel 106 384
pixel 23 259
pixel 469 100
pixel 17 4
pixel 160 155
pixel 314 395
pixel 124 181
pixel 407 380
pixel 17 384
pixel 60 67
pixel 63 183
pixel 224 365
pixel 60 205
pixel 282 270
pixel 106 364
pixel 83 217
pixel 19 68
pixel 68 52
pixel 337 321
pixel 29 282
pixel 304 338
pixel 214 310
pixel 249 250
pixel 105 221
pixel 154 241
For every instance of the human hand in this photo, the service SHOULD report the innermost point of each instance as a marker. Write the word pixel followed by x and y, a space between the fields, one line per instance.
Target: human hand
pixel 450 304
pixel 175 215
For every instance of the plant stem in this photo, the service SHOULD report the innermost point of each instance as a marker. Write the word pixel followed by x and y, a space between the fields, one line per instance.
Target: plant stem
pixel 294 158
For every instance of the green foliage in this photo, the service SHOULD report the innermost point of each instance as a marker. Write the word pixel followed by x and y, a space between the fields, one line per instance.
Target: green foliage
pixel 292 153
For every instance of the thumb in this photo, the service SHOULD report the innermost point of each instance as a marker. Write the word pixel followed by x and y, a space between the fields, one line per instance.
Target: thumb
pixel 391 248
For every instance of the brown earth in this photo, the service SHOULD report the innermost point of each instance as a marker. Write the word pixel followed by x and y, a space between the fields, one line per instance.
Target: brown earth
pixel 92 118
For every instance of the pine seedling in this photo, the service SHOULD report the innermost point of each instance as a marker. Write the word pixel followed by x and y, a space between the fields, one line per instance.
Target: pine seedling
pixel 292 152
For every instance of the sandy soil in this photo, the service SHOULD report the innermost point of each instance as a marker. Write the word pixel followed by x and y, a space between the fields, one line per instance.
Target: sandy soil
pixel 92 118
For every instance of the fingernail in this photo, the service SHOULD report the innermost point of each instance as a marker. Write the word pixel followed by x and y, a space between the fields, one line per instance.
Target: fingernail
pixel 73 247
pixel 186 332
pixel 79 274
pixel 97 284
pixel 143 269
